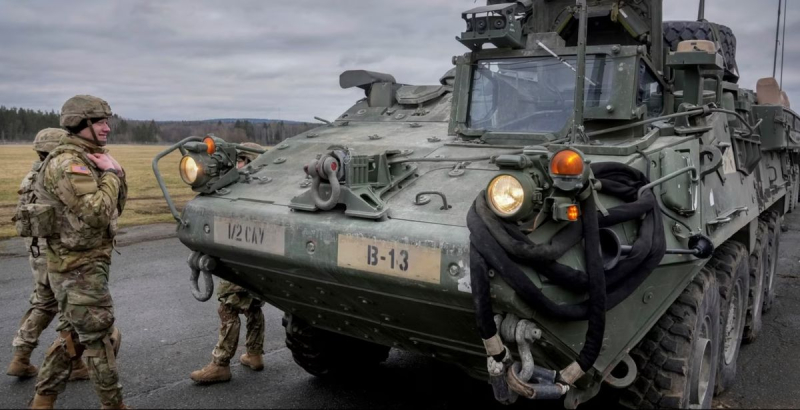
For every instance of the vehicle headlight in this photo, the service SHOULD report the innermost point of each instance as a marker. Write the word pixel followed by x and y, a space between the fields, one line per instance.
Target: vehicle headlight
pixel 510 196
pixel 506 194
pixel 189 169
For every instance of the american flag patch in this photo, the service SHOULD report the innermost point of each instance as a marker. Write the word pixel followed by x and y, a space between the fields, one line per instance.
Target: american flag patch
pixel 79 169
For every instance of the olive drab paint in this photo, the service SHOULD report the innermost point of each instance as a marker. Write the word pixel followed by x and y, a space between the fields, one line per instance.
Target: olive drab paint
pixel 411 159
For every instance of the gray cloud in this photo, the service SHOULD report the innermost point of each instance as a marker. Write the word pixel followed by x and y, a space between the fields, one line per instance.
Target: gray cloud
pixel 183 59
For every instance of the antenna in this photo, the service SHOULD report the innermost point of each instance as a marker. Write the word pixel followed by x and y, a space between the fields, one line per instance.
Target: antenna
pixel 701 12
pixel 783 41
pixel 577 121
pixel 777 31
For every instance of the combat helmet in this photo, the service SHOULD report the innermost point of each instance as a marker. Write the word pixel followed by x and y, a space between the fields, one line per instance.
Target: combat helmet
pixel 47 139
pixel 247 155
pixel 82 107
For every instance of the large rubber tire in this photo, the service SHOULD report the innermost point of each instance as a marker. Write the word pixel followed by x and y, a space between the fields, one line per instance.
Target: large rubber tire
pixel 755 301
pixel 677 31
pixel 731 264
pixel 323 353
pixel 771 264
pixel 681 350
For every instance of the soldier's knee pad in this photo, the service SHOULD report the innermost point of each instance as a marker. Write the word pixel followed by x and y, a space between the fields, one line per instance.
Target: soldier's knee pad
pixel 116 340
pixel 109 348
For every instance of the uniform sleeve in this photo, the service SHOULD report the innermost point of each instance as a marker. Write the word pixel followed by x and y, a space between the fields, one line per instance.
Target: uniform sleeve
pixel 71 180
pixel 123 193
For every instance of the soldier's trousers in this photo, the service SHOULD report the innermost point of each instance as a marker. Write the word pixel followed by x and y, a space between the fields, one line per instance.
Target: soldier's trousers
pixel 229 310
pixel 86 321
pixel 42 311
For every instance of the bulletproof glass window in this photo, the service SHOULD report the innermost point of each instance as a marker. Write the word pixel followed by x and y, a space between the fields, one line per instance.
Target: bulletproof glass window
pixel 649 92
pixel 535 94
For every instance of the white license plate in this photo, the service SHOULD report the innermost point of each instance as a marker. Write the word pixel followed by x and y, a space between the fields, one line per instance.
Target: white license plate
pixel 390 258
pixel 258 236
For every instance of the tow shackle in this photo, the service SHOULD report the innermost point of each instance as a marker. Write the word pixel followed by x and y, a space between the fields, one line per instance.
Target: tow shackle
pixel 329 169
pixel 201 264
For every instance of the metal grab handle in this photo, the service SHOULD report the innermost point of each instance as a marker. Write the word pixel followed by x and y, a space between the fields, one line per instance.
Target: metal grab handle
pixel 669 176
pixel 444 207
pixel 160 180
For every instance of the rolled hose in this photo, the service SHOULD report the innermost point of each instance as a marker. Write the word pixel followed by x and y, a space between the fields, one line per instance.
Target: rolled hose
pixel 501 246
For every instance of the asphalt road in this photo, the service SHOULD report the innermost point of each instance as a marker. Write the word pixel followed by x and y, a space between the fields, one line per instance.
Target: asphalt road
pixel 167 334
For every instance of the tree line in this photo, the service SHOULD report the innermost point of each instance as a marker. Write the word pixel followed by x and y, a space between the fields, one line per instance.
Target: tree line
pixel 20 125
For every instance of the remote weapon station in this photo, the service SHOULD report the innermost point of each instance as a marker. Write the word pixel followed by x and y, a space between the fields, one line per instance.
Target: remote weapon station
pixel 587 198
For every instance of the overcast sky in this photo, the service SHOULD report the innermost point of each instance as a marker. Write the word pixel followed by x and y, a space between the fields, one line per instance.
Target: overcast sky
pixel 189 59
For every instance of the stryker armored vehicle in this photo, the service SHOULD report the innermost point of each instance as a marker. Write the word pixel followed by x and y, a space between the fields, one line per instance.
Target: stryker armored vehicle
pixel 587 198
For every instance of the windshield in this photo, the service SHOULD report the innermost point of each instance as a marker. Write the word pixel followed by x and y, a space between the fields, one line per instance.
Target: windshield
pixel 534 94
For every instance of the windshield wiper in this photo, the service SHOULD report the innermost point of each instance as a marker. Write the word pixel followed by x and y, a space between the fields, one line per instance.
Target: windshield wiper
pixel 540 44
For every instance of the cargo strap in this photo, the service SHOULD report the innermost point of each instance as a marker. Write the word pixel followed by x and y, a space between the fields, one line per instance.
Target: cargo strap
pixel 64 339
pixel 110 349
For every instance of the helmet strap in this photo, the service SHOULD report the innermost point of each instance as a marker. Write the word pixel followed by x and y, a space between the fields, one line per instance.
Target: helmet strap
pixel 91 129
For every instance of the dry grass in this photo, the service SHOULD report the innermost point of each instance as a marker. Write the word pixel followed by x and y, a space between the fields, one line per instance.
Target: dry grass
pixel 145 204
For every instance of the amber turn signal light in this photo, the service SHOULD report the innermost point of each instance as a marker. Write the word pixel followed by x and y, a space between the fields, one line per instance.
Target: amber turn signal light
pixel 212 147
pixel 567 163
pixel 572 213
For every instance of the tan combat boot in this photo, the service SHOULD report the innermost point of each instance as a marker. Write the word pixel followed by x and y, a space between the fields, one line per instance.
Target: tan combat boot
pixel 212 373
pixel 79 371
pixel 253 361
pixel 43 402
pixel 21 366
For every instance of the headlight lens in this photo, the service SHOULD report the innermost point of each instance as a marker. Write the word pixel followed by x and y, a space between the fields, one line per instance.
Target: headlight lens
pixel 189 170
pixel 506 194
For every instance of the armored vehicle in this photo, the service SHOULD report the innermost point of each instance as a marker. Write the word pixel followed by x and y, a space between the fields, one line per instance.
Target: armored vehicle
pixel 586 198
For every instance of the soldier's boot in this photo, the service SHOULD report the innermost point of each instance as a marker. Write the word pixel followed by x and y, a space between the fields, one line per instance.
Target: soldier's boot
pixel 253 361
pixel 79 371
pixel 21 366
pixel 43 402
pixel 212 373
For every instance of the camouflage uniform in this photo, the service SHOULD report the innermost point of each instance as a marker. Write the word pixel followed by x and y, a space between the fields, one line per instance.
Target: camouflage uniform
pixel 88 203
pixel 235 300
pixel 43 303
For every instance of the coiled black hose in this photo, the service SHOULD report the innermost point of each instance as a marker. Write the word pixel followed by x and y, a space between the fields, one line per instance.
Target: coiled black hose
pixel 501 246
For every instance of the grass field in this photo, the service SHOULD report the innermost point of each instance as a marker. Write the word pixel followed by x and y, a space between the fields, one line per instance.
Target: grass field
pixel 145 204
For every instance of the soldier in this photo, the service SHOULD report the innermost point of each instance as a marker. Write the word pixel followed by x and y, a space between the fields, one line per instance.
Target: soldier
pixel 86 189
pixel 43 303
pixel 235 300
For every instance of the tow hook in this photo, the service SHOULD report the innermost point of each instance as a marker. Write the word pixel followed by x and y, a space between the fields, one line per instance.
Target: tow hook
pixel 200 263
pixel 522 378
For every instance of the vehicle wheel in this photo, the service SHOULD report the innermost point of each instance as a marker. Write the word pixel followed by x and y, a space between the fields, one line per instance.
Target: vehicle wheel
pixel 771 260
pixel 677 31
pixel 323 353
pixel 679 356
pixel 731 266
pixel 755 301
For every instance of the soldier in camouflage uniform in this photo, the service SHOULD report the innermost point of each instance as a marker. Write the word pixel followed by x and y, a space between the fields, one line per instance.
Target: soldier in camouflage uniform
pixel 235 300
pixel 86 188
pixel 43 302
